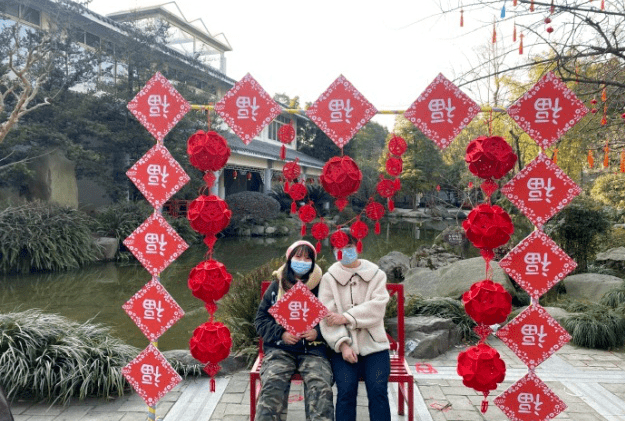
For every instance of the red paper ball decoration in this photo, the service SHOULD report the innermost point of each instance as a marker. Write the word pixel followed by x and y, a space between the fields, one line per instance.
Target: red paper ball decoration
pixel 339 239
pixel 320 231
pixel 397 146
pixel 341 177
pixel 481 368
pixel 208 215
pixel 394 166
pixel 306 214
pixel 297 192
pixel 359 230
pixel 375 211
pixel 291 171
pixel 487 302
pixel 207 151
pixel 209 281
pixel 488 227
pixel 210 344
pixel 490 157
pixel 286 134
pixel 387 189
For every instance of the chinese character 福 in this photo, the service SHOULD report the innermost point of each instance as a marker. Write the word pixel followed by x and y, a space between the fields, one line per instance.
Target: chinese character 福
pixel 531 333
pixel 437 106
pixel 158 105
pixel 154 243
pixel 533 261
pixel 543 106
pixel 295 307
pixel 337 106
pixel 150 374
pixel 154 171
pixel 536 187
pixel 247 107
pixel 152 309
pixel 525 403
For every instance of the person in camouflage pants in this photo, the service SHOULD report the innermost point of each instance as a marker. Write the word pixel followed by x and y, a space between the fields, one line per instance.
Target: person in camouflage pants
pixel 286 353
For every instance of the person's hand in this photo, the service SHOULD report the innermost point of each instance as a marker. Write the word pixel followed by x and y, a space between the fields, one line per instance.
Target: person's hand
pixel 348 353
pixel 335 319
pixel 289 339
pixel 310 335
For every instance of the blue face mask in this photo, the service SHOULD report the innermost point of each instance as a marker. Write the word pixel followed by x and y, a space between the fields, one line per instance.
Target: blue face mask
pixel 299 267
pixel 350 255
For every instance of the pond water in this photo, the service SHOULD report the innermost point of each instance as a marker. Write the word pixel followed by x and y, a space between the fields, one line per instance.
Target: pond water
pixel 97 292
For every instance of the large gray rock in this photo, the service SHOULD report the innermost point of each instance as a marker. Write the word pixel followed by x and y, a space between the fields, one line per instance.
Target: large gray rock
pixel 613 258
pixel 590 286
pixel 107 247
pixel 395 265
pixel 453 280
pixel 432 257
pixel 427 336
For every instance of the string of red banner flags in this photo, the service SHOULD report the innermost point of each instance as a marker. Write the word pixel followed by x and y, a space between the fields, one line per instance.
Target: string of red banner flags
pixel 545 112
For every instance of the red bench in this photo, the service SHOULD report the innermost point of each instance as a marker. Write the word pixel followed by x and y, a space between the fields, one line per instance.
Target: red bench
pixel 400 372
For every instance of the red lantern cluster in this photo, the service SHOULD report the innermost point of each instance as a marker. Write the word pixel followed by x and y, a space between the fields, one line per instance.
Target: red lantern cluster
pixel 490 158
pixel 375 212
pixel 298 192
pixel 211 343
pixel 341 177
pixel 306 214
pixel 209 281
pixel 359 230
pixel 481 368
pixel 339 239
pixel 208 151
pixel 286 135
pixel 291 171
pixel 320 231
pixel 488 227
pixel 387 188
pixel 487 302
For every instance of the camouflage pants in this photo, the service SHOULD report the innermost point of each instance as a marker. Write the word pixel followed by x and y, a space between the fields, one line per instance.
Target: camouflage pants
pixel 275 376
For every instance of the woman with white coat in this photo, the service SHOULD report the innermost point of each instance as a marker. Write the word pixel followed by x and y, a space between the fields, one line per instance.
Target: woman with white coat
pixel 354 291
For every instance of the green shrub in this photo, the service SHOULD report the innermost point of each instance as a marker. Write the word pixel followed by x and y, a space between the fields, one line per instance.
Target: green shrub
pixel 609 189
pixel 577 229
pixel 446 308
pixel 282 197
pixel 39 236
pixel 614 298
pixel 252 206
pixel 49 357
pixel 598 329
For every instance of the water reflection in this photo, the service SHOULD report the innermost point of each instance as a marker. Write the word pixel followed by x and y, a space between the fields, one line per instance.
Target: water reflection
pixel 98 292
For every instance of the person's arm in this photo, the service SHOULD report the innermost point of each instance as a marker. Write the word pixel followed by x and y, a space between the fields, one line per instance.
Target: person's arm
pixel 266 326
pixel 333 335
pixel 371 312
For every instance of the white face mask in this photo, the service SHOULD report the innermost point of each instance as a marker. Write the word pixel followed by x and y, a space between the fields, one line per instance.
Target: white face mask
pixel 300 267
pixel 350 255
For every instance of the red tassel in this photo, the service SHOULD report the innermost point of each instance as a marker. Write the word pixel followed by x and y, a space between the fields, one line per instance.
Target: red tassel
pixel 552 8
pixel 213 387
pixel 318 246
pixel 359 246
pixel 606 156
pixel 461 18
pixel 391 205
pixel 532 6
pixel 339 254
pixel 521 45
pixel 377 227
pixel 604 94
pixel 554 158
pixel 293 207
pixel 484 406
pixel 591 160
pixel 602 4
pixel 303 230
pixel 283 152
pixel 397 184
pixel 286 186
pixel 494 33
pixel 622 161
pixel 514 2
pixel 514 33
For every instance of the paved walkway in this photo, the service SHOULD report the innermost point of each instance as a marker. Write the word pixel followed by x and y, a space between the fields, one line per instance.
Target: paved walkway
pixel 590 382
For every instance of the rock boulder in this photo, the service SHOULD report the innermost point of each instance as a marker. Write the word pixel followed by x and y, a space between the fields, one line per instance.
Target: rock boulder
pixel 590 286
pixel 613 258
pixel 395 265
pixel 426 336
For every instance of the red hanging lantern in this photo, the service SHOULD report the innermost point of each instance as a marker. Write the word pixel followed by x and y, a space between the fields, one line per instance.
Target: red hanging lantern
pixel 306 214
pixel 394 166
pixel 397 146
pixel 210 344
pixel 341 177
pixel 291 171
pixel 209 178
pixel 481 368
pixel 487 302
pixel 249 175
pixel 461 18
pixel 387 189
pixel 209 281
pixel 552 8
pixel 494 33
pixel 549 29
pixel 208 151
pixel 438 187
pixel 339 239
pixel 320 231
pixel 234 174
pixel 470 185
pixel 521 44
pixel 359 230
pixel 490 157
pixel 208 215
pixel 297 192
pixel 532 6
pixel 286 135
pixel 514 33
pixel 488 227
pixel 375 212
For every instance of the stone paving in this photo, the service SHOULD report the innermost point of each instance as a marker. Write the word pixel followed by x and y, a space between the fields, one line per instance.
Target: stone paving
pixel 590 382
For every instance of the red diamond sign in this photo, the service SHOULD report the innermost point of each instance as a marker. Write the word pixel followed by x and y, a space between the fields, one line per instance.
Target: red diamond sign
pixel 537 264
pixel 530 399
pixel 158 175
pixel 533 335
pixel 341 111
pixel 541 190
pixel 548 110
pixel 442 111
pixel 151 375
pixel 155 244
pixel 298 310
pixel 247 108
pixel 153 310
pixel 158 106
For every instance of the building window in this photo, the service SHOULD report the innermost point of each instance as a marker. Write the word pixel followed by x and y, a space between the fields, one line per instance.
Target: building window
pixel 31 15
pixel 275 125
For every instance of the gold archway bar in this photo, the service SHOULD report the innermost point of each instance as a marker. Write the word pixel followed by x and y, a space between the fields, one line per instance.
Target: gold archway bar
pixel 303 112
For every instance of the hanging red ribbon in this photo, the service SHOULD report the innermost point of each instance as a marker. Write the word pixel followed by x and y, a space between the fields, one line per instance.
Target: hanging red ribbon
pixel 604 119
pixel 604 94
pixel 521 45
pixel 494 33
pixel 623 161
pixel 606 155
pixel 602 4
pixel 554 158
pixel 461 18
pixel 552 8
pixel 591 160
pixel 514 33
pixel 532 6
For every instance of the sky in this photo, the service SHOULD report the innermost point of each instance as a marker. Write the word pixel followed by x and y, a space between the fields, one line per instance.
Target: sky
pixel 390 51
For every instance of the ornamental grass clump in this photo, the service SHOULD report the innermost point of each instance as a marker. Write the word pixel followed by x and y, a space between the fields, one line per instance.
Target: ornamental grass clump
pixel 597 329
pixel 49 357
pixel 615 297
pixel 38 236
